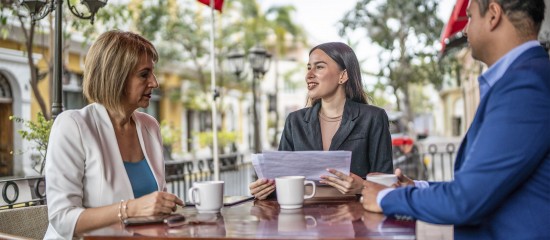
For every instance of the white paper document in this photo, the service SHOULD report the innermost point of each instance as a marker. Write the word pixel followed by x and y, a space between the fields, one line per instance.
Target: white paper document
pixel 311 164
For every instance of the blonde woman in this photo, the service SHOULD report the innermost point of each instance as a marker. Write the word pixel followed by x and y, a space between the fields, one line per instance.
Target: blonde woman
pixel 104 161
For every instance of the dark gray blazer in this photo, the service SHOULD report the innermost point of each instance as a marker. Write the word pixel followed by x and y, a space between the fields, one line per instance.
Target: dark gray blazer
pixel 363 131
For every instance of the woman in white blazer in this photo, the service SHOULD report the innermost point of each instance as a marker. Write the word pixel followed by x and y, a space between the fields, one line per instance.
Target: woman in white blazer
pixel 105 161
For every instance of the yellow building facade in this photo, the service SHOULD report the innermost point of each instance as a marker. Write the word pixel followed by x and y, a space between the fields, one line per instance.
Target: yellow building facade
pixel 17 98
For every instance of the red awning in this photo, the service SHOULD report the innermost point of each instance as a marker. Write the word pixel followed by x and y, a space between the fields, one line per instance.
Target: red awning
pixel 455 25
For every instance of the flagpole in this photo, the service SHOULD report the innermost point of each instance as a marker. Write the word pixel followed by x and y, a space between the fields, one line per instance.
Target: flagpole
pixel 214 96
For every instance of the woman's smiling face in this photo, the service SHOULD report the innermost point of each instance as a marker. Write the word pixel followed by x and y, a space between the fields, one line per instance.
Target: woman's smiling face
pixel 324 76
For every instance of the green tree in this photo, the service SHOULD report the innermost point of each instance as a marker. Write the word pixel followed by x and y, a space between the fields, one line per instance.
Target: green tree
pixel 407 30
pixel 12 11
pixel 114 15
pixel 280 21
pixel 180 33
pixel 180 30
pixel 39 133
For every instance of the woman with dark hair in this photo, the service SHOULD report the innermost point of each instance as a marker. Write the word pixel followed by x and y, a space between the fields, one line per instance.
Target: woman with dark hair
pixel 337 117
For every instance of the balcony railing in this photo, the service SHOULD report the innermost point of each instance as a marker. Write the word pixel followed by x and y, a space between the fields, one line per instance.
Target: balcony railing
pixel 236 170
pixel 22 192
pixel 180 175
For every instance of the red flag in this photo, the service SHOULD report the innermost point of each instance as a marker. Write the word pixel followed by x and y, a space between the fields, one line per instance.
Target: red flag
pixel 217 4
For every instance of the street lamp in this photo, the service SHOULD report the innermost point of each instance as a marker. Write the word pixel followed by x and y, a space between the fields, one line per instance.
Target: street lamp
pixel 259 60
pixel 39 9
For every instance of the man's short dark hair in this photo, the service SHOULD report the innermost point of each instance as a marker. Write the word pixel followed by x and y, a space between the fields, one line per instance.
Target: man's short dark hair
pixel 525 15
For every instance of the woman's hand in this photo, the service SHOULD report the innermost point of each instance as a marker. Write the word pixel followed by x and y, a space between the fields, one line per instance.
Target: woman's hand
pixel 156 203
pixel 265 210
pixel 261 188
pixel 345 184
pixel 402 180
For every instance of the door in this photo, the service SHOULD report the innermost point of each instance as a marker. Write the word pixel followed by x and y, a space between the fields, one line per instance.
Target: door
pixel 6 128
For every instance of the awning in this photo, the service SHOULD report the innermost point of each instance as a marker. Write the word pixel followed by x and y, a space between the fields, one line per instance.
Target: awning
pixel 452 33
pixel 218 4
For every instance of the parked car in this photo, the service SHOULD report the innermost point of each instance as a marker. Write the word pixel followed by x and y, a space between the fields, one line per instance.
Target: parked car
pixel 404 149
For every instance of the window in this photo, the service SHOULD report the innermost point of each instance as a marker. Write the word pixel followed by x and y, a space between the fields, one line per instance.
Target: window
pixel 5 90
pixel 72 92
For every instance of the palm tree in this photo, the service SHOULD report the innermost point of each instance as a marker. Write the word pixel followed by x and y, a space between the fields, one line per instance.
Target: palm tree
pixel 283 27
pixel 255 29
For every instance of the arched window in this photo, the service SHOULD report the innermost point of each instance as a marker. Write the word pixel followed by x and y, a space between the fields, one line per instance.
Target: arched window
pixel 5 90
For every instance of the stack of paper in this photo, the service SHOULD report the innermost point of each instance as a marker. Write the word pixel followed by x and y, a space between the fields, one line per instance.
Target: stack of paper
pixel 311 164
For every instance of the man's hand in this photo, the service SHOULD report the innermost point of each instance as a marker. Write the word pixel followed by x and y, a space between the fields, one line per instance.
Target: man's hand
pixel 402 180
pixel 370 192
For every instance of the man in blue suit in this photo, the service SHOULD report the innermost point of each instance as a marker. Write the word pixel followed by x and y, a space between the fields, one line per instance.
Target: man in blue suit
pixel 501 188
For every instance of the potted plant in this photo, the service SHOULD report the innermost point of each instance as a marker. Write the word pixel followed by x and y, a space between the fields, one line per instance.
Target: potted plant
pixel 225 140
pixel 39 133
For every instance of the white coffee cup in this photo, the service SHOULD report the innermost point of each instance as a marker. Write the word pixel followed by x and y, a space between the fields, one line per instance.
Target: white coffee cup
pixel 294 220
pixel 384 179
pixel 207 196
pixel 290 191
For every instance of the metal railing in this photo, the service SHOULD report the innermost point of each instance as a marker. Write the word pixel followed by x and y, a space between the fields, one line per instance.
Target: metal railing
pixel 428 161
pixel 440 162
pixel 235 171
pixel 439 159
pixel 22 192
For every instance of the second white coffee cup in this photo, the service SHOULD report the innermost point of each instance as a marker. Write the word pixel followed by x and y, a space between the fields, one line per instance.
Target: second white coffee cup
pixel 290 191
pixel 384 179
pixel 207 196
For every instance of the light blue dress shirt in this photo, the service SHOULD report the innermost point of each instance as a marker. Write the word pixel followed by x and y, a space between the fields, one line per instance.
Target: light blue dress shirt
pixel 495 72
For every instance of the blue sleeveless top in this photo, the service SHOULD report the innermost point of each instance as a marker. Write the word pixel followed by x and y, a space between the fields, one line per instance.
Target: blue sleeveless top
pixel 141 177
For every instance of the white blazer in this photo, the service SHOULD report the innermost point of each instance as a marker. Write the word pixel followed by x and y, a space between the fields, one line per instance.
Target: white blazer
pixel 84 168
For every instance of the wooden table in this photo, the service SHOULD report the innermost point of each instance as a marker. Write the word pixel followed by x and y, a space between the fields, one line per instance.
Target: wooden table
pixel 332 219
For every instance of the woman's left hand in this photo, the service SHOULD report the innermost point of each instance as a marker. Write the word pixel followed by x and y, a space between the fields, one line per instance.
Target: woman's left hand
pixel 351 184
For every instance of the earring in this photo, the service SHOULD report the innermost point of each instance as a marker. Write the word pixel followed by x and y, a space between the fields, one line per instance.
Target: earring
pixel 339 82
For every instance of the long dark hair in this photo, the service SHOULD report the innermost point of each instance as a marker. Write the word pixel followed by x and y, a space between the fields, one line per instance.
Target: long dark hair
pixel 345 57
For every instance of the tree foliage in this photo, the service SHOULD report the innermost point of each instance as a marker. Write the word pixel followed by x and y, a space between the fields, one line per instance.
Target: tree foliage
pixel 114 15
pixel 39 133
pixel 407 31
pixel 180 30
pixel 12 13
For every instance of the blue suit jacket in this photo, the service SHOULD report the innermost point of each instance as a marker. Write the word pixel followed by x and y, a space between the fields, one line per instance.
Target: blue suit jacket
pixel 501 188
